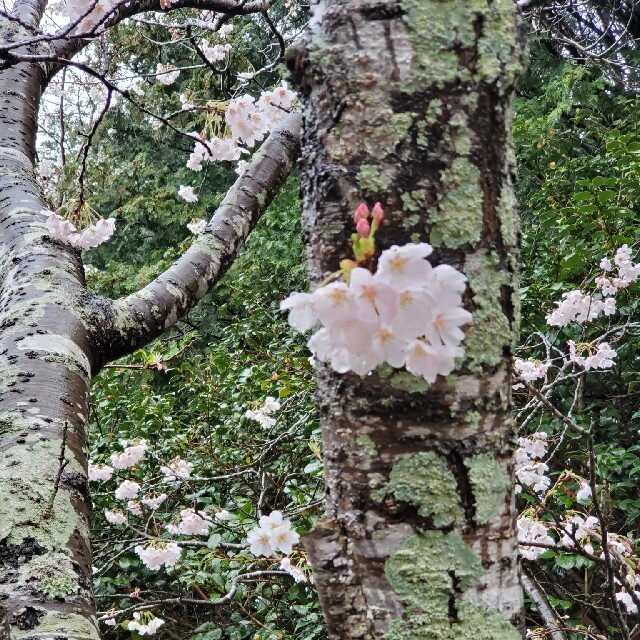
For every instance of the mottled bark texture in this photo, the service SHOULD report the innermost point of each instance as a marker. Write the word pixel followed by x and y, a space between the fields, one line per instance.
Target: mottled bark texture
pixel 54 335
pixel 409 102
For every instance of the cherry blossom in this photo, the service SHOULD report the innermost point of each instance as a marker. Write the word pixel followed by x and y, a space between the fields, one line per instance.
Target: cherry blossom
pixel 166 73
pixel 530 370
pixel 115 516
pixel 131 455
pixel 153 502
pixel 295 572
pixel 191 523
pixel 274 533
pixel 406 314
pixel 532 531
pixel 147 628
pixel 99 471
pixel 127 489
pixel 187 194
pixel 159 553
pixel 92 236
pixel 197 227
pixel 177 469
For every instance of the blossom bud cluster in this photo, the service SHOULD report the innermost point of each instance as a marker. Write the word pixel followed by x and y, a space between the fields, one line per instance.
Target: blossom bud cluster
pixel 159 553
pixel 247 121
pixel 530 370
pixel 262 415
pixel 92 236
pixel 602 358
pixel 530 530
pixel 273 534
pixel 529 472
pixel 191 523
pixel 408 314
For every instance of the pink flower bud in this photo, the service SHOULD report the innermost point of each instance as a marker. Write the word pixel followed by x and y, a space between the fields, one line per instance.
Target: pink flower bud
pixel 363 228
pixel 362 213
pixel 377 212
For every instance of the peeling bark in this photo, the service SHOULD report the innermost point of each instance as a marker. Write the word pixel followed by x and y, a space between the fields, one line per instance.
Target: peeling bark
pixel 409 103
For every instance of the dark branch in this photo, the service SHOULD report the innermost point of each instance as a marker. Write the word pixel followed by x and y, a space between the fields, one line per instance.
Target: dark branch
pixel 132 322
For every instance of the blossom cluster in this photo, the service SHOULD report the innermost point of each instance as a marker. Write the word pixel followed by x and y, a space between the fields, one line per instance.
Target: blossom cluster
pixel 578 307
pixel 144 628
pixel 408 314
pixel 529 531
pixel 295 572
pixel 247 121
pixel 131 456
pixel 92 236
pixel 529 472
pixel 628 272
pixel 262 415
pixel 128 489
pixel 197 227
pixel 159 553
pixel 177 469
pixel 95 15
pixel 167 74
pixel 273 534
pixel 99 471
pixel 191 523
pixel 530 370
pixel 600 356
pixel 187 194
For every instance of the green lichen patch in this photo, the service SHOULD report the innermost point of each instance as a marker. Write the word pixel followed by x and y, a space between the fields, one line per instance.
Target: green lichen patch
pixel 489 483
pixel 433 26
pixel 457 218
pixel 473 419
pixel 425 480
pixel 491 331
pixel 367 445
pixel 428 574
pixel 27 473
pixel 71 625
pixel 406 381
pixel 51 573
pixel 372 180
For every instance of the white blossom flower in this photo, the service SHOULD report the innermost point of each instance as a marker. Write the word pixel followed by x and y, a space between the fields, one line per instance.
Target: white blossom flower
pixel 99 471
pixel 115 517
pixel 187 194
pixel 131 455
pixel 177 469
pixel 191 523
pixel 159 553
pixel 584 493
pixel 295 572
pixel 167 73
pixel 197 227
pixel 127 489
pixel 153 502
pixel 147 628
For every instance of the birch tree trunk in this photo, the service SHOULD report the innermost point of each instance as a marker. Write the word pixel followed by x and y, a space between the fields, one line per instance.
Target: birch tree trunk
pixel 408 102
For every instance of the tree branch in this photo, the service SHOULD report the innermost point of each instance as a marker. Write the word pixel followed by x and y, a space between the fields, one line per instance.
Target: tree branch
pixel 130 323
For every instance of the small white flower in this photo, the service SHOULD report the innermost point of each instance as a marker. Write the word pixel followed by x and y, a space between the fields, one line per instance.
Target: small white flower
pixel 127 489
pixel 187 194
